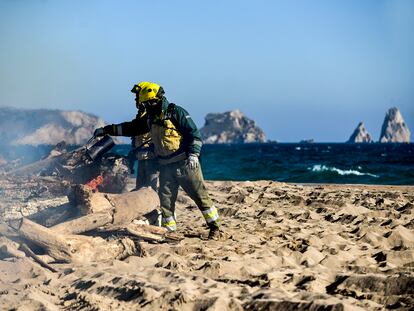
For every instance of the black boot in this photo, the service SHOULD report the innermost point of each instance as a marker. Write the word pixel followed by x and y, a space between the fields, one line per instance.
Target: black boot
pixel 215 233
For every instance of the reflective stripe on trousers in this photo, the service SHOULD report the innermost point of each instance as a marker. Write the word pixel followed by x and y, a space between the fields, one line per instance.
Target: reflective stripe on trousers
pixel 210 214
pixel 169 223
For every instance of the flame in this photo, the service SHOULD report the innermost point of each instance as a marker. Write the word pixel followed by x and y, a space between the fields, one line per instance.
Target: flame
pixel 95 183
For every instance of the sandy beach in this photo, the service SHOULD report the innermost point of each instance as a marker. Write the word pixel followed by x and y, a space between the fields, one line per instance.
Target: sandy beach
pixel 288 247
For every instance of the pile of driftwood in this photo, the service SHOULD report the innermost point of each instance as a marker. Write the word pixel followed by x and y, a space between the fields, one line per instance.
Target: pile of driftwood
pixel 105 227
pixel 82 239
pixel 82 165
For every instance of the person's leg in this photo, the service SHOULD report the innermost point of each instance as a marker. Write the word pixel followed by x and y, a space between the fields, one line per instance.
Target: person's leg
pixel 147 174
pixel 152 173
pixel 167 192
pixel 192 182
pixel 140 181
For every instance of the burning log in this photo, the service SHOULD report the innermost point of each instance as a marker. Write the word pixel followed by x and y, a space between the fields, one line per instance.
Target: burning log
pixel 95 183
pixel 83 165
pixel 99 209
pixel 87 201
pixel 75 248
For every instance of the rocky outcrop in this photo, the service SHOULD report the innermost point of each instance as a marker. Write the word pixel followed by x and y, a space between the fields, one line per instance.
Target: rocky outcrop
pixel 44 126
pixel 231 127
pixel 394 129
pixel 360 135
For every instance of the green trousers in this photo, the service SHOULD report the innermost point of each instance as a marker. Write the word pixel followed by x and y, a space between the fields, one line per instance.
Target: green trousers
pixel 147 174
pixel 177 174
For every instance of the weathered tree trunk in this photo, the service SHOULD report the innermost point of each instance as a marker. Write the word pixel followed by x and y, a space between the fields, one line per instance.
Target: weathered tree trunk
pixel 87 201
pixel 75 248
pixel 101 209
pixel 148 232
pixel 131 205
pixel 36 258
pixel 84 223
pixel 8 248
pixel 6 230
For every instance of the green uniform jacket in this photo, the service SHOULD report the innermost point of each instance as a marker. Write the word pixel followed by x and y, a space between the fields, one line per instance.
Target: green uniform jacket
pixel 173 131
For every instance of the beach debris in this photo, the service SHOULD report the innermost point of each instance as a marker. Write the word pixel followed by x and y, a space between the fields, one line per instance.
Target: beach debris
pixel 108 212
pixel 75 248
pixel 8 248
pixel 153 233
pixel 84 224
pixel 58 150
pixel 89 164
pixel 98 209
pixel 86 171
pixel 36 258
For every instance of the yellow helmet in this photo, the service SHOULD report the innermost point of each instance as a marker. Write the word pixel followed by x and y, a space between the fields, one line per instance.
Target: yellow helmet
pixel 147 91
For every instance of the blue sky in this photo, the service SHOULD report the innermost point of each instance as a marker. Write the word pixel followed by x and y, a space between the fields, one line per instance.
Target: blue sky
pixel 300 69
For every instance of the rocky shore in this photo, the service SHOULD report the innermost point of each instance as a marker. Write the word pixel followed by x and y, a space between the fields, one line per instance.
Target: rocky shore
pixel 288 247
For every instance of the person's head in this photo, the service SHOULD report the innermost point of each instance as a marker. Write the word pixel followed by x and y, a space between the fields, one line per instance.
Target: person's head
pixel 147 94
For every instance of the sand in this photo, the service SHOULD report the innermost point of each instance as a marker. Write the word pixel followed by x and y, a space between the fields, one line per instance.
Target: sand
pixel 288 247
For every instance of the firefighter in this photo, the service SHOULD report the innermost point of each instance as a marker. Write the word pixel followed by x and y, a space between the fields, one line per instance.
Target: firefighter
pixel 177 146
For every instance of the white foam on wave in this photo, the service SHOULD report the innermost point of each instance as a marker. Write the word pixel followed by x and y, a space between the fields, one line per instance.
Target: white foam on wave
pixel 324 168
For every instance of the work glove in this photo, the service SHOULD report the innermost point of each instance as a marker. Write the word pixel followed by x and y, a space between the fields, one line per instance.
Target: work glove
pixel 192 161
pixel 99 132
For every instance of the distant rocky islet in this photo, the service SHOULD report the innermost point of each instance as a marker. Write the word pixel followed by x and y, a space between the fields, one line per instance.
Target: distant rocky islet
pixel 394 130
pixel 231 127
pixel 360 135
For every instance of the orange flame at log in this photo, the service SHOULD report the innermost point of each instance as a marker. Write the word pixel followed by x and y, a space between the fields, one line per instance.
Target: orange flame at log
pixel 95 183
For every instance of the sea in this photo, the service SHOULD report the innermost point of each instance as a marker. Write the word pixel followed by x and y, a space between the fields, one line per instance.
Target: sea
pixel 385 164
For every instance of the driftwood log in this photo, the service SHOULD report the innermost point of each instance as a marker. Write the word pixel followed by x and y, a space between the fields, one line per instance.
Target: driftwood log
pixel 99 209
pixel 36 258
pixel 8 248
pixel 147 232
pixel 84 223
pixel 111 211
pixel 75 248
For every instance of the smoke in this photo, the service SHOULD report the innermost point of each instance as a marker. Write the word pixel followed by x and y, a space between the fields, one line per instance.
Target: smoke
pixel 44 126
pixel 14 155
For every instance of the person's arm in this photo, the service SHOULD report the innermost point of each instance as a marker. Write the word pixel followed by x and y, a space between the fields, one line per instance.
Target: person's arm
pixel 132 128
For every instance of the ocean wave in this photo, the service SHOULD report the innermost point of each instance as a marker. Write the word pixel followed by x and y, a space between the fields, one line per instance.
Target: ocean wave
pixel 324 168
